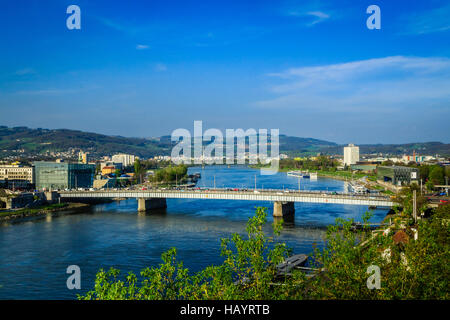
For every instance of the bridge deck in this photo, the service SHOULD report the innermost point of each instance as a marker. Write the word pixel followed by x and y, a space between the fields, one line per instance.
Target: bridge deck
pixel 259 195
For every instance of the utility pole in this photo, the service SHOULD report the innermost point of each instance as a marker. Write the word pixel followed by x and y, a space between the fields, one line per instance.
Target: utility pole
pixel 414 206
pixel 446 184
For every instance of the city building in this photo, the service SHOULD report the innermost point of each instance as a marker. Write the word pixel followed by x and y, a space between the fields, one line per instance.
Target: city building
pixel 351 155
pixel 363 167
pixel 397 175
pixel 116 165
pixel 108 170
pixel 83 157
pixel 63 175
pixel 417 158
pixel 125 159
pixel 16 176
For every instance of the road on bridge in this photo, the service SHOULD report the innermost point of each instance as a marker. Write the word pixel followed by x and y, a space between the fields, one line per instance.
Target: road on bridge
pixel 274 195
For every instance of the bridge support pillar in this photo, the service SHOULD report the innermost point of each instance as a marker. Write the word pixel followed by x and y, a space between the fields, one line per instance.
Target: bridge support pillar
pixel 286 210
pixel 152 203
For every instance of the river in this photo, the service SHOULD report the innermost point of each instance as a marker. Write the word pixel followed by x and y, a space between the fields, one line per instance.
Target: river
pixel 35 253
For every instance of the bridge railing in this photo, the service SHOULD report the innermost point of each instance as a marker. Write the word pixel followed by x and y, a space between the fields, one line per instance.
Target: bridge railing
pixel 285 192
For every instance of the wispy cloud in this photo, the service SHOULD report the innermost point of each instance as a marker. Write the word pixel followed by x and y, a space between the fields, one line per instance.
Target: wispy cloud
pixel 320 16
pixel 25 71
pixel 316 16
pixel 112 24
pixel 431 21
pixel 387 84
pixel 125 27
pixel 142 47
pixel 46 92
pixel 311 13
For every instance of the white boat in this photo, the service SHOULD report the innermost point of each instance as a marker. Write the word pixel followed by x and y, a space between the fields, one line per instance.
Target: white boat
pixel 303 174
pixel 297 174
pixel 355 187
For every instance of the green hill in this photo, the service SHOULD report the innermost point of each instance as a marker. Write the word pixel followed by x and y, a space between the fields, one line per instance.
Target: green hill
pixel 39 141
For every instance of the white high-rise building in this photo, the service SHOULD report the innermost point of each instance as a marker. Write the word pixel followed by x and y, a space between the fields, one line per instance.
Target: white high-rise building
pixel 351 154
pixel 125 159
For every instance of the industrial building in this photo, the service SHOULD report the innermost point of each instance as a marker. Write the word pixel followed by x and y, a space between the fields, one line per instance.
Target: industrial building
pixel 63 175
pixel 397 175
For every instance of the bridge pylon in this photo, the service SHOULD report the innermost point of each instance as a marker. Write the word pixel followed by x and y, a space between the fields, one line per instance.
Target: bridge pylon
pixel 284 209
pixel 146 204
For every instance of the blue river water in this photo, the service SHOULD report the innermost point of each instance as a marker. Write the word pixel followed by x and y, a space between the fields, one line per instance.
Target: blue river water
pixel 35 253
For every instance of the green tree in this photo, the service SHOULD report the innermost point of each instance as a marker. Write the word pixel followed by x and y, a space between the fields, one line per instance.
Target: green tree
pixel 429 185
pixel 414 269
pixel 437 174
pixel 247 271
pixel 171 174
pixel 424 171
pixel 138 171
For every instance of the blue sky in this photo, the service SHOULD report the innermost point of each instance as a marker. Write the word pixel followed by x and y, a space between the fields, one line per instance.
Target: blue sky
pixel 308 68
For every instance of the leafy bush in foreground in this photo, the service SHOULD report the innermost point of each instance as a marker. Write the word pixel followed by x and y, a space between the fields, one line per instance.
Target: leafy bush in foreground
pixel 414 269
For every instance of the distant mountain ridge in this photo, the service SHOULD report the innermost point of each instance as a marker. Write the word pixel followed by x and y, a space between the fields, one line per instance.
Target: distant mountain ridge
pixel 38 141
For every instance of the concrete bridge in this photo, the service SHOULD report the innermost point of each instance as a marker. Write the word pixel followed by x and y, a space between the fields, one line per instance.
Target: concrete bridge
pixel 283 199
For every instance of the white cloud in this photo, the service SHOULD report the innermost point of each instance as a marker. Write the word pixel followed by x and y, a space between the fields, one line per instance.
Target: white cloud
pixel 142 47
pixel 431 21
pixel 319 17
pixel 313 14
pixel 385 84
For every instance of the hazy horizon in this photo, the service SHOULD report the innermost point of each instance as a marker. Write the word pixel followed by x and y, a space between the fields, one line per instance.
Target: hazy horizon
pixel 281 134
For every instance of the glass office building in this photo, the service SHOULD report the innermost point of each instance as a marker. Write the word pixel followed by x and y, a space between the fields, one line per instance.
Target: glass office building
pixel 63 175
pixel 398 175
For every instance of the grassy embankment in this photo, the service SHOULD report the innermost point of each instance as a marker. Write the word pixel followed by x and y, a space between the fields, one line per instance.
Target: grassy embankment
pixel 28 212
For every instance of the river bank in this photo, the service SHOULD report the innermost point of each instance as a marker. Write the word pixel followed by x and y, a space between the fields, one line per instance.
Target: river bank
pixel 7 216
